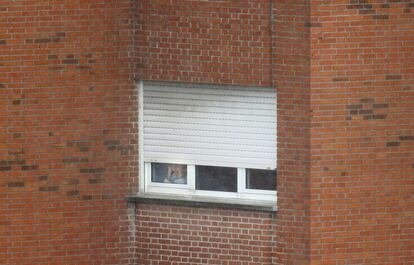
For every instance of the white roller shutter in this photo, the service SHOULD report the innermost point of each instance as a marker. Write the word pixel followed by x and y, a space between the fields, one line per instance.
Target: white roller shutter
pixel 213 125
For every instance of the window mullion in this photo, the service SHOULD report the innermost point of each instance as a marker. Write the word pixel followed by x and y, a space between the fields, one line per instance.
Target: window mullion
pixel 241 180
pixel 191 177
pixel 147 175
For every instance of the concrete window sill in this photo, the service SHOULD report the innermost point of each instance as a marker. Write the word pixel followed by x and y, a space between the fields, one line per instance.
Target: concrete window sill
pixel 192 201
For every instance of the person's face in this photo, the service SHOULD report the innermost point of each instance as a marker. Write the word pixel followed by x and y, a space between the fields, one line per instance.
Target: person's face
pixel 176 170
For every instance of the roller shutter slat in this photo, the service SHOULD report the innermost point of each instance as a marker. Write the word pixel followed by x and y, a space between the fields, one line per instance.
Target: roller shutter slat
pixel 199 115
pixel 207 139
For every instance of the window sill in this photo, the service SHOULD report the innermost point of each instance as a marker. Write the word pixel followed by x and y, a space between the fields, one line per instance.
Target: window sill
pixel 192 201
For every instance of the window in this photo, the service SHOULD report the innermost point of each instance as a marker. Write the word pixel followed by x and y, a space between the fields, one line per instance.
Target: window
pixel 208 141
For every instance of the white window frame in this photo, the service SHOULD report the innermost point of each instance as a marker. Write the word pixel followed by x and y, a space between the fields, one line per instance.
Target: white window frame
pixel 146 186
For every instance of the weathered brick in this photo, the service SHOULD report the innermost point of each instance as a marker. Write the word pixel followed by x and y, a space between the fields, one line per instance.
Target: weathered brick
pixel 87 197
pixel 73 181
pixel 49 188
pixel 92 170
pixel 96 181
pixel 30 167
pixel 16 162
pixel 391 144
pixel 72 160
pixel 45 40
pixel 365 111
pixel 380 16
pixel 367 100
pixel 393 77
pixel 381 106
pixel 407 138
pixel 70 61
pixel 72 193
pixel 379 116
pixel 5 168
pixel 352 107
pixel 17 184
pixel 313 25
pixel 340 79
pixel 43 178
pixel 111 142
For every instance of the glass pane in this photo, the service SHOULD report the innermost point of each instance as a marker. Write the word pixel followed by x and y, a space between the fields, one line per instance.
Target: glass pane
pixel 261 179
pixel 216 178
pixel 169 173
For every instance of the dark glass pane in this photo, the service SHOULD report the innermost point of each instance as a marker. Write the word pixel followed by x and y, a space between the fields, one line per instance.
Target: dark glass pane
pixel 216 178
pixel 261 179
pixel 169 173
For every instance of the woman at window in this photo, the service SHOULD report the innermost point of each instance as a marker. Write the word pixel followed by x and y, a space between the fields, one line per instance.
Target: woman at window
pixel 176 174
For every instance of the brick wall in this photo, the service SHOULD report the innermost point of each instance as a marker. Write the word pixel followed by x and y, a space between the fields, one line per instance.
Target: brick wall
pixel 204 41
pixel 68 156
pixel 68 148
pixel 362 132
pixel 188 235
